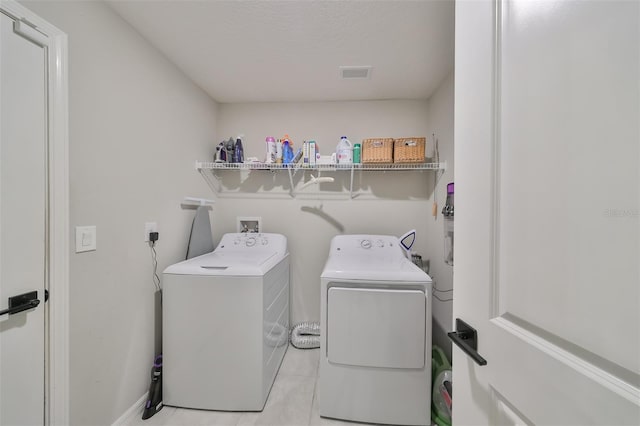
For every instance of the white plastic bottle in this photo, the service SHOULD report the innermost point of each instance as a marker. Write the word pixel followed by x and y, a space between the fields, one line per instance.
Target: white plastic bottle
pixel 313 159
pixel 344 151
pixel 270 158
pixel 279 151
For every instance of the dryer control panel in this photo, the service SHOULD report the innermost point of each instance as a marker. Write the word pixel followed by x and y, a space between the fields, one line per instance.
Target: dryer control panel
pixel 372 245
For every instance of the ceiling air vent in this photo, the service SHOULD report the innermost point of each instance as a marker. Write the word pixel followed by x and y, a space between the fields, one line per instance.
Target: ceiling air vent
pixel 355 72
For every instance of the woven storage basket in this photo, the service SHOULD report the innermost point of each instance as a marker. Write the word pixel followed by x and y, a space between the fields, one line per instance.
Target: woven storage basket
pixel 377 150
pixel 408 150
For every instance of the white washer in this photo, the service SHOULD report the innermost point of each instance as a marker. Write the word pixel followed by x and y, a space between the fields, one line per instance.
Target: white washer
pixel 225 324
pixel 375 350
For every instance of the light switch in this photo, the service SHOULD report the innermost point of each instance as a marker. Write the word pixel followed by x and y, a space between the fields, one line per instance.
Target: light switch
pixel 85 238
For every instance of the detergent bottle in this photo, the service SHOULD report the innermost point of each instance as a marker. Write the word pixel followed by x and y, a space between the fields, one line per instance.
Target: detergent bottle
pixel 238 152
pixel 287 150
pixel 344 151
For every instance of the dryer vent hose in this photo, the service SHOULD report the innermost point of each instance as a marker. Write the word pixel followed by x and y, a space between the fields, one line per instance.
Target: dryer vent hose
pixel 306 335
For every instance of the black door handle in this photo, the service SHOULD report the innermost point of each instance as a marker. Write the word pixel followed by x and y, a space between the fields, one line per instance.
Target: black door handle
pixel 22 302
pixel 466 338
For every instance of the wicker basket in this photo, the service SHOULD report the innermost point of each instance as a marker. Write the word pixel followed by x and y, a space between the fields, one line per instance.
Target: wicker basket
pixel 409 150
pixel 377 150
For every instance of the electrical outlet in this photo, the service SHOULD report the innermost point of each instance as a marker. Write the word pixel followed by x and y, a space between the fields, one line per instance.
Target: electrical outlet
pixel 148 228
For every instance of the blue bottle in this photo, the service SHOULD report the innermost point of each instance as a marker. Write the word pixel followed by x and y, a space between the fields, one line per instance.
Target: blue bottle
pixel 238 152
pixel 287 153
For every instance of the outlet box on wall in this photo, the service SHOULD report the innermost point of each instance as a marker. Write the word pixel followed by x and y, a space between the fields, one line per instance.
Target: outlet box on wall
pixel 149 227
pixel 249 224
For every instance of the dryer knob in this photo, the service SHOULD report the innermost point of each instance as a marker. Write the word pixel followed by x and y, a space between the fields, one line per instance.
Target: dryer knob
pixel 264 241
pixel 365 244
pixel 251 241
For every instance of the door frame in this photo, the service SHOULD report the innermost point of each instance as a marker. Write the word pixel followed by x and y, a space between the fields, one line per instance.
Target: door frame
pixel 57 239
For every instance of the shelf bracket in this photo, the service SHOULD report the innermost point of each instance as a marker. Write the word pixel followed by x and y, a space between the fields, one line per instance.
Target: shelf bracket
pixel 291 188
pixel 210 177
pixel 351 184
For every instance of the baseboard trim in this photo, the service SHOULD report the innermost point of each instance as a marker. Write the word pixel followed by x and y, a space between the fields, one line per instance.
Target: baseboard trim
pixel 133 411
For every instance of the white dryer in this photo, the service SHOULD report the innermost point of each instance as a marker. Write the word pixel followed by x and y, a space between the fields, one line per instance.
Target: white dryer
pixel 225 324
pixel 375 350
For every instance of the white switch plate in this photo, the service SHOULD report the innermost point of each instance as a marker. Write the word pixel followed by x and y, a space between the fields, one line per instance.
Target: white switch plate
pixel 148 228
pixel 85 238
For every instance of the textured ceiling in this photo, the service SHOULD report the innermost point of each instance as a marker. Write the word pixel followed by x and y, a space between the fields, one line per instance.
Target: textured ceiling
pixel 257 51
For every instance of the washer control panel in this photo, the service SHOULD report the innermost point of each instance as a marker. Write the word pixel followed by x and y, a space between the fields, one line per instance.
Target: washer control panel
pixel 249 240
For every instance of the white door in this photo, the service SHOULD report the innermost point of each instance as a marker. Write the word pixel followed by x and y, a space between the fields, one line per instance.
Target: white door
pixel 547 211
pixel 23 169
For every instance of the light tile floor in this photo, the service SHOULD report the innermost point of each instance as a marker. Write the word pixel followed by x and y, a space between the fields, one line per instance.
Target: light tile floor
pixel 292 401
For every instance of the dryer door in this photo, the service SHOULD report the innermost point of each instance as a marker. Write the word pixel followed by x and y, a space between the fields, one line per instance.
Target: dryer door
pixel 376 327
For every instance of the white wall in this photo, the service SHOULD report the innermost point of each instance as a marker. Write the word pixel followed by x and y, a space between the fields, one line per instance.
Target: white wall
pixel 441 123
pixel 136 127
pixel 397 201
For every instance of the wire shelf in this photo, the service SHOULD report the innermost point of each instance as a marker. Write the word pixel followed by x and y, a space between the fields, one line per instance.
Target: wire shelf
pixel 327 167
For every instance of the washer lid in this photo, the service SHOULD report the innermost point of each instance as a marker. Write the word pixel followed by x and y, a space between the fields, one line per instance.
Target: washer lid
pixel 235 259
pixel 237 254
pixel 230 264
